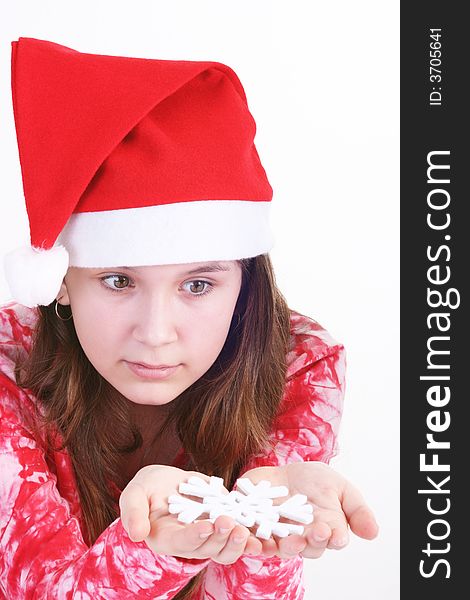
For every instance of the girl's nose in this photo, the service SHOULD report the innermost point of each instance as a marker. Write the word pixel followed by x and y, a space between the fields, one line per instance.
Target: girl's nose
pixel 155 321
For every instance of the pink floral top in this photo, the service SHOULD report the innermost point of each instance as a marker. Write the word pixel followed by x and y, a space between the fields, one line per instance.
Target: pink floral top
pixel 43 549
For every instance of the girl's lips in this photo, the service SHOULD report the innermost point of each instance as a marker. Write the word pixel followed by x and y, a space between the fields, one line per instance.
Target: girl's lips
pixel 147 373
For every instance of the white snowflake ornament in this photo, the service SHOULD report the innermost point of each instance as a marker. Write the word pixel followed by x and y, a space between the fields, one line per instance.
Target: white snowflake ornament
pixel 254 505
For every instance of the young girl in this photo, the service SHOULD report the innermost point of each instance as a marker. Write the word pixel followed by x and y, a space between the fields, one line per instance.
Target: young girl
pixel 147 341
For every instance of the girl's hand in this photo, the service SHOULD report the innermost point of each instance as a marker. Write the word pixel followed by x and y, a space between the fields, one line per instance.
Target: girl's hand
pixel 336 503
pixel 145 516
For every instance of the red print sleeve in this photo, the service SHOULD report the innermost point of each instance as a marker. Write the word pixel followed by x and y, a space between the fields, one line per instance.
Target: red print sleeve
pixel 306 429
pixel 42 550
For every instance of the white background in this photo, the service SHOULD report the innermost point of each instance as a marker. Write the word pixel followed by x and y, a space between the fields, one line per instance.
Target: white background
pixel 322 84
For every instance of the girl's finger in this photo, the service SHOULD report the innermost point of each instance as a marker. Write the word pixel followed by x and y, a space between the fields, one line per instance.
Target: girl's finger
pixel 328 532
pixel 291 545
pixel 194 535
pixel 234 546
pixel 183 540
pixel 317 536
pixel 269 547
pixel 253 547
pixel 360 517
pixel 339 538
pixel 363 523
pixel 214 544
pixel 134 507
pixel 319 532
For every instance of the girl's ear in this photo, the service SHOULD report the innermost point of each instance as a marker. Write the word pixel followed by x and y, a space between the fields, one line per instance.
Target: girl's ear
pixel 63 295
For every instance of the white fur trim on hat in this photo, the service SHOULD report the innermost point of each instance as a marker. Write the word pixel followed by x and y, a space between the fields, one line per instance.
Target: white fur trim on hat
pixel 35 275
pixel 182 232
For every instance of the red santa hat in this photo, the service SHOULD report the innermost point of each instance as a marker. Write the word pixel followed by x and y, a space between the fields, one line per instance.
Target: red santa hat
pixel 130 162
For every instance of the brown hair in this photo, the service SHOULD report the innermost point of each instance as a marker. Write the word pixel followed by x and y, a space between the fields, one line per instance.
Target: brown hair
pixel 233 404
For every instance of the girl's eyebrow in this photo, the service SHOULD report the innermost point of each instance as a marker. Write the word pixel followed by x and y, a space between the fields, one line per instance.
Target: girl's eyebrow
pixel 206 268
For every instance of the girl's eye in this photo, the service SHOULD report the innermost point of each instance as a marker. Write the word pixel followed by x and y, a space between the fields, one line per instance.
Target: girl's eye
pixel 208 290
pixel 122 282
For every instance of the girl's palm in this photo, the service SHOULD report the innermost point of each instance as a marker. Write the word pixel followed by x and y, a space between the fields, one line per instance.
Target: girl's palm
pixel 336 504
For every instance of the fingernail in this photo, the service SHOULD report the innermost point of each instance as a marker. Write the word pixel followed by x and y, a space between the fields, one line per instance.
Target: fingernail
pixel 224 530
pixel 205 535
pixel 341 542
pixel 319 538
pixel 238 540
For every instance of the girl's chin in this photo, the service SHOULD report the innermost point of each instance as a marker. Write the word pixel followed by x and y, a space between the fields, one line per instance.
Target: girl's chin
pixel 146 399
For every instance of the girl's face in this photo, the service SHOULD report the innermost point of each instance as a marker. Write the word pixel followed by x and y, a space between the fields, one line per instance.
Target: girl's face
pixel 158 315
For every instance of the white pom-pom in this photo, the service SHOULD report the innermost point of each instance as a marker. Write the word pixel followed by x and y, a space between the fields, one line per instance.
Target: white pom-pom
pixel 35 275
